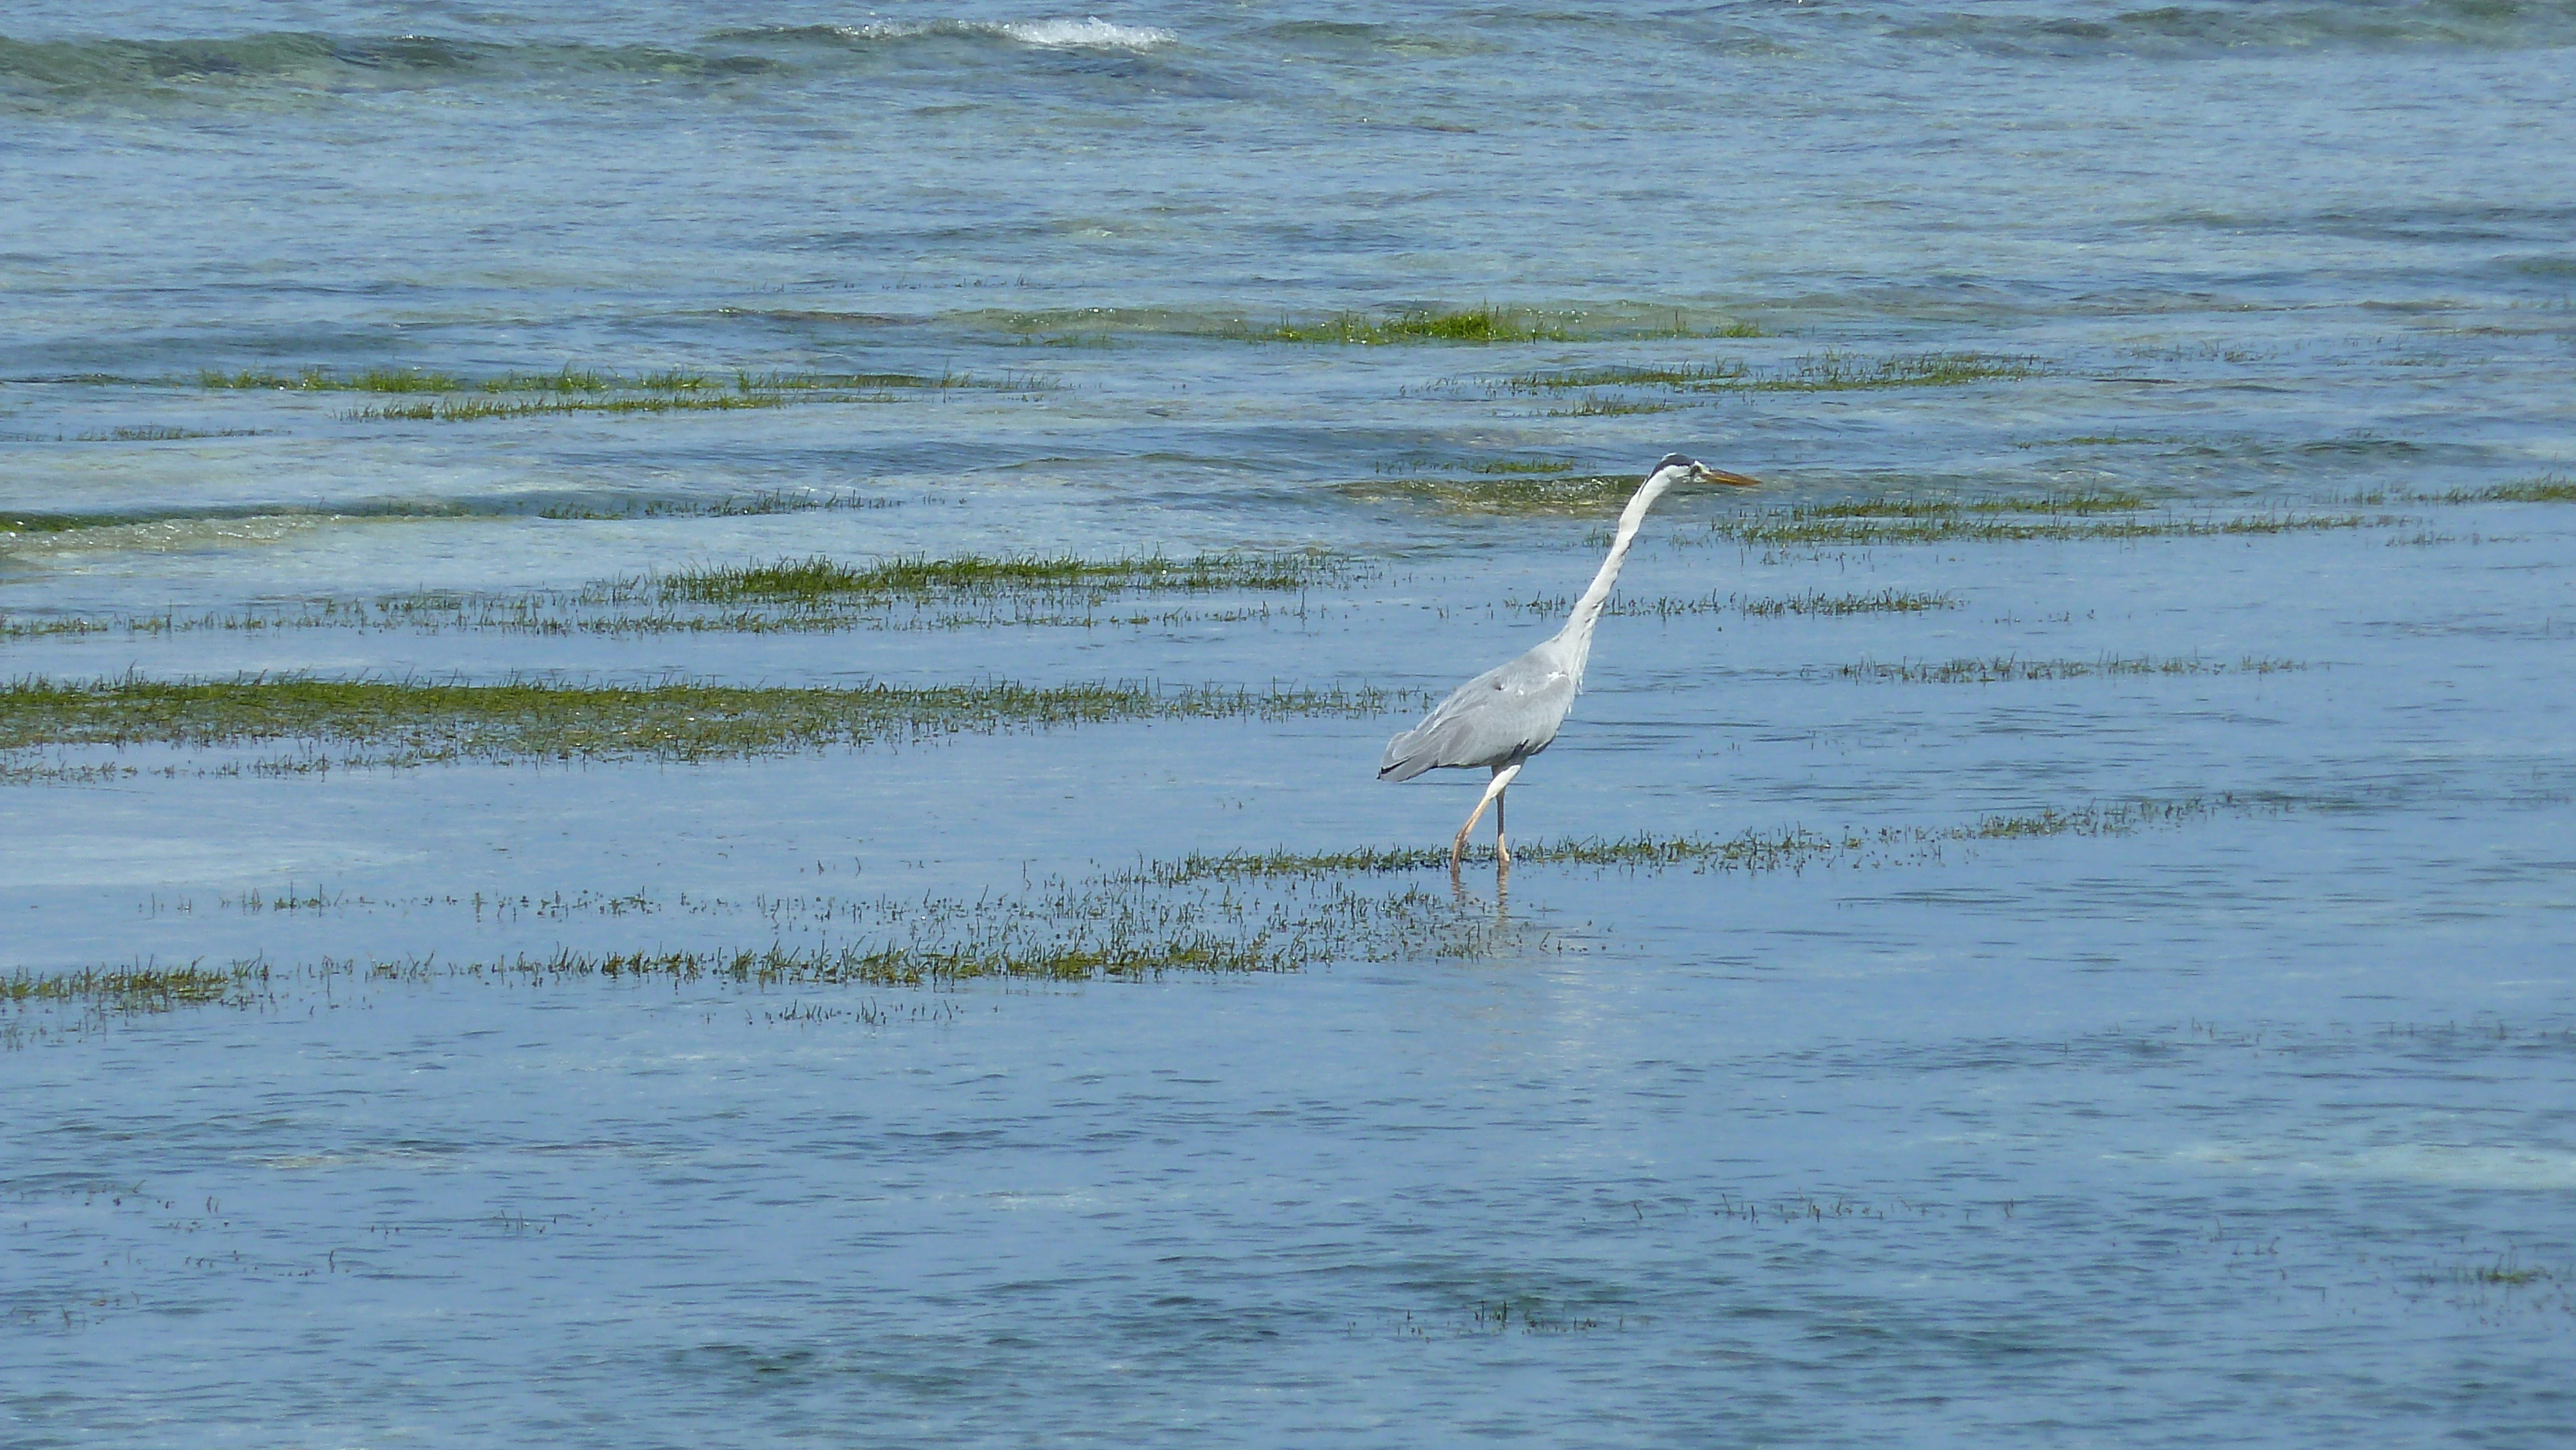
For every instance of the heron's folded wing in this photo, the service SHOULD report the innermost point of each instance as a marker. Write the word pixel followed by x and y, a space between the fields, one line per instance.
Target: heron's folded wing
pixel 1427 746
pixel 1510 710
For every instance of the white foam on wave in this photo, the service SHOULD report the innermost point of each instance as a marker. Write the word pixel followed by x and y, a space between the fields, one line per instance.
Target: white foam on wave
pixel 1089 33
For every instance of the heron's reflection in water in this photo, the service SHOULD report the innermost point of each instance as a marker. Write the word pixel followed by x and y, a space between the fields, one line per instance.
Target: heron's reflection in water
pixel 1461 897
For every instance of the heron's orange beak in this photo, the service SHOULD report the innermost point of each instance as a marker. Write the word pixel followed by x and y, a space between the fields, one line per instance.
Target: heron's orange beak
pixel 1731 480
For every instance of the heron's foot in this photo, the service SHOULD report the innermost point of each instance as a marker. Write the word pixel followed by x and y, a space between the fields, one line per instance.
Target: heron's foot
pixel 1502 855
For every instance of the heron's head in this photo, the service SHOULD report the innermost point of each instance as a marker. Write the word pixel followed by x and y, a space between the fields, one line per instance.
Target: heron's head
pixel 1686 469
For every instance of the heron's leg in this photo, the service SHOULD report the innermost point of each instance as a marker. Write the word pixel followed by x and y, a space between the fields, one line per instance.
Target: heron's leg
pixel 1502 777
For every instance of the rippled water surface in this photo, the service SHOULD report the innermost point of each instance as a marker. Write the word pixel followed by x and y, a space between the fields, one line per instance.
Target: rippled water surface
pixel 2048 925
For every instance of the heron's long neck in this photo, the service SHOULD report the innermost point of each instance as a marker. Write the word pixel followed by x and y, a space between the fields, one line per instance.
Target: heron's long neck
pixel 1587 610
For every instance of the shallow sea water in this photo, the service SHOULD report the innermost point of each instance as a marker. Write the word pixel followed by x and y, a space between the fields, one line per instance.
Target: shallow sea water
pixel 2168 1037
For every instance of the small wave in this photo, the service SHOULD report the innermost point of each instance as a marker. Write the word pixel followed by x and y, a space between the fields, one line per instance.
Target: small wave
pixel 331 62
pixel 1089 33
pixel 309 60
pixel 2455 1165
pixel 289 54
pixel 2184 30
pixel 1361 38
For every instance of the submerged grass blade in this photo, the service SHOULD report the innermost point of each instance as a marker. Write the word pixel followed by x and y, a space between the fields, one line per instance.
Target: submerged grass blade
pixel 1788 848
pixel 1840 524
pixel 818 579
pixel 794 595
pixel 1752 850
pixel 450 398
pixel 408 723
pixel 572 380
pixel 1814 603
pixel 1820 604
pixel 2547 488
pixel 321 380
pixel 1486 324
pixel 138 987
pixel 1821 373
pixel 468 410
pixel 558 506
pixel 2006 668
pixel 1427 323
pixel 1087 934
pixel 1055 931
pixel 1505 494
pixel 1886 515
pixel 1902 506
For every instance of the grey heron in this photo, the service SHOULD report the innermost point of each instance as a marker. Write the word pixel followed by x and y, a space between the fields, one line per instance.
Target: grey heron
pixel 1511 712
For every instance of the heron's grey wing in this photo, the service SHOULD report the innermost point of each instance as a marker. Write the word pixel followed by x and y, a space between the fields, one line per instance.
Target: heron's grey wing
pixel 1508 711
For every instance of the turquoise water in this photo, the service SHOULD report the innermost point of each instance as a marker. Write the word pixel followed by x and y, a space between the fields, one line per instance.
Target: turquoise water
pixel 2162 1035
